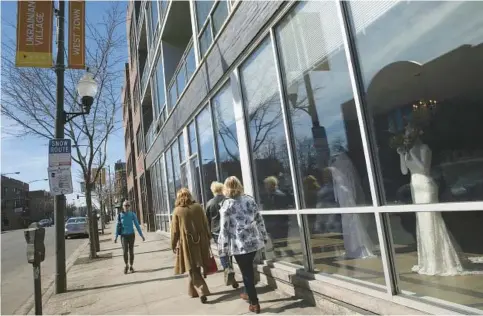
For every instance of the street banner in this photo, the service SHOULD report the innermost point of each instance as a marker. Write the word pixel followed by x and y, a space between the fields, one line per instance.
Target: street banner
pixel 60 180
pixel 34 34
pixel 77 38
pixel 60 152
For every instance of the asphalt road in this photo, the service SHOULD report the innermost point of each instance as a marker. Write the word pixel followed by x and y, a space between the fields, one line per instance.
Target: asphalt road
pixel 17 274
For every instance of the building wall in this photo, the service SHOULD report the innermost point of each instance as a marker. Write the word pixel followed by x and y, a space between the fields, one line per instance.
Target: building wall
pixel 41 205
pixel 15 210
pixel 311 105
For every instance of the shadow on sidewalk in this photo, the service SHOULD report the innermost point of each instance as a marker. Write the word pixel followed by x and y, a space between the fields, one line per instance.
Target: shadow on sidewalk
pixel 127 283
pixel 144 252
pixel 232 294
pixel 298 304
pixel 153 270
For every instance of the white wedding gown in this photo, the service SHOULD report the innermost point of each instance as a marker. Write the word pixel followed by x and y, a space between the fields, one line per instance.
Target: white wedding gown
pixel 438 253
pixel 348 191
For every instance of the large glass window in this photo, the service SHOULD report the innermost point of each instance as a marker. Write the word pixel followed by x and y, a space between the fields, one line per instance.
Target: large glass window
pixel 207 153
pixel 274 189
pixel 182 155
pixel 284 239
pixel 171 188
pixel 422 68
pixel 423 94
pixel 227 141
pixel 176 166
pixel 328 145
pixel 192 138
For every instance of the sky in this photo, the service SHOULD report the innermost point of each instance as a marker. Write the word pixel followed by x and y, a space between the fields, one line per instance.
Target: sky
pixel 29 155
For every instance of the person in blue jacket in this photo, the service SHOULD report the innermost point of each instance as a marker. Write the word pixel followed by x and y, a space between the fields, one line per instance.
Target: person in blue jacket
pixel 127 219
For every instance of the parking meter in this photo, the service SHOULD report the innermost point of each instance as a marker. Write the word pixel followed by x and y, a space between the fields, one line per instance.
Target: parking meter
pixel 34 235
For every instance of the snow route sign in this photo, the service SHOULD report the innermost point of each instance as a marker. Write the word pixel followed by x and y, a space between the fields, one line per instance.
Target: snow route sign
pixel 59 153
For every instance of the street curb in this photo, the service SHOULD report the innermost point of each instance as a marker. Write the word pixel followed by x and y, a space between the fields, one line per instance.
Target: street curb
pixel 28 307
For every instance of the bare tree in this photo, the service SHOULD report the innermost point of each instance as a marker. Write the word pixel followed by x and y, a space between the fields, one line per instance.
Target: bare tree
pixel 29 100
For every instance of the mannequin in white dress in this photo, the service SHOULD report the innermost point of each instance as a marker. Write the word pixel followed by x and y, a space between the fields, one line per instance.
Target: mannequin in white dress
pixel 438 253
pixel 348 191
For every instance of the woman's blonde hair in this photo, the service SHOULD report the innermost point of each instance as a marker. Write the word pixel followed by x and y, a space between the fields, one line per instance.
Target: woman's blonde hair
pixel 216 188
pixel 233 187
pixel 184 198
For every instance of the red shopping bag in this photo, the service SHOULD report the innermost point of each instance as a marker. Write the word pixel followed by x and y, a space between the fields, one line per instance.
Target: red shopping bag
pixel 212 268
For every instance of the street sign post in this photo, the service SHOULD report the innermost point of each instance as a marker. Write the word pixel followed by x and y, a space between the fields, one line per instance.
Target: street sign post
pixel 60 152
pixel 60 180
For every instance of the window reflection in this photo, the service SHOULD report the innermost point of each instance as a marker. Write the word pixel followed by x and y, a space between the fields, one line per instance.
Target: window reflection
pixel 283 245
pixel 346 244
pixel 176 166
pixel 227 141
pixel 207 150
pixel 169 169
pixel 423 92
pixel 266 131
pixel 192 138
pixel 328 145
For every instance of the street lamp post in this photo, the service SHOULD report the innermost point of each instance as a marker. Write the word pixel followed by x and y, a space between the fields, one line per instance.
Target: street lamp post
pixel 87 89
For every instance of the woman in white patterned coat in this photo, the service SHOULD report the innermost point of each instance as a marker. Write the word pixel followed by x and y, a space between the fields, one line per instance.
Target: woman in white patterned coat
pixel 242 234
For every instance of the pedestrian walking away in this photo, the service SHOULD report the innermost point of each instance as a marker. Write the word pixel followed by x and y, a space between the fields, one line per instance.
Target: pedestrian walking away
pixel 242 234
pixel 213 215
pixel 126 220
pixel 190 241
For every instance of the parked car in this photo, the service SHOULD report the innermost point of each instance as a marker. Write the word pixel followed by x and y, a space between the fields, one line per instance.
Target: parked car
pixel 76 226
pixel 45 223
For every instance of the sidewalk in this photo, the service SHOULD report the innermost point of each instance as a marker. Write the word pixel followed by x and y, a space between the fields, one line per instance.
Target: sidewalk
pixel 100 287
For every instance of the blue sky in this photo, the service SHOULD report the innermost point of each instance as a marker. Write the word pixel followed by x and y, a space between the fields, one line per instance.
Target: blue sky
pixel 29 155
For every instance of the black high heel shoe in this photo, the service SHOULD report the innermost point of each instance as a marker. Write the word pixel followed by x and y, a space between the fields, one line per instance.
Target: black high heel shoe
pixel 203 299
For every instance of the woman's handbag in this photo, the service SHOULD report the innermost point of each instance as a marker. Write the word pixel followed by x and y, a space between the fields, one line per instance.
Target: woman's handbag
pixel 212 268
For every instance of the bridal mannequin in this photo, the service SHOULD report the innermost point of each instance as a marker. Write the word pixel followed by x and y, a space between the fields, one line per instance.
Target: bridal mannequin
pixel 438 253
pixel 348 191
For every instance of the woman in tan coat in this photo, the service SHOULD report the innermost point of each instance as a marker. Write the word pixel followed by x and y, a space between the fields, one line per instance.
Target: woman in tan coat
pixel 190 241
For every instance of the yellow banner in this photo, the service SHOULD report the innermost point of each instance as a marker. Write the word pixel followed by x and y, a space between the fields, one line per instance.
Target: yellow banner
pixel 34 34
pixel 76 57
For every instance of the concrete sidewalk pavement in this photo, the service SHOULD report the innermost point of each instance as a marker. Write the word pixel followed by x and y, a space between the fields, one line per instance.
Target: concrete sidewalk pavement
pixel 100 286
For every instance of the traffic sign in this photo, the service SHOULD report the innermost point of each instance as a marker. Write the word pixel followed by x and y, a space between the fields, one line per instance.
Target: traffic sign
pixel 60 180
pixel 59 152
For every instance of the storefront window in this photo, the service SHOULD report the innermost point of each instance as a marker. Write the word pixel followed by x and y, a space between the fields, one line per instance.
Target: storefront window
pixel 176 166
pixel 422 68
pixel 274 189
pixel 422 89
pixel 444 260
pixel 227 141
pixel 192 138
pixel 284 239
pixel 328 145
pixel 182 155
pixel 207 151
pixel 169 169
